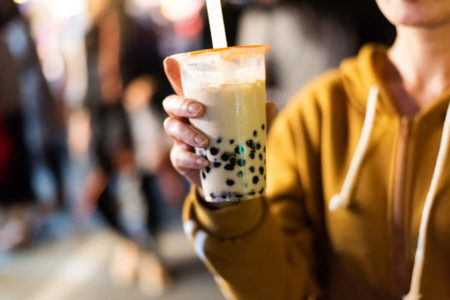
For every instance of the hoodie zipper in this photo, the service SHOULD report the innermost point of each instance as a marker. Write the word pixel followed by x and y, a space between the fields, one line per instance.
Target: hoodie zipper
pixel 398 209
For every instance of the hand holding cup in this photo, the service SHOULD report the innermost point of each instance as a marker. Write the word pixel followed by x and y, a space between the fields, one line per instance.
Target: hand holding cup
pixel 182 113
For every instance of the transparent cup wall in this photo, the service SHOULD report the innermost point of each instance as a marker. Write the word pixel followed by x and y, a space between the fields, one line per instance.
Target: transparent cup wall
pixel 231 85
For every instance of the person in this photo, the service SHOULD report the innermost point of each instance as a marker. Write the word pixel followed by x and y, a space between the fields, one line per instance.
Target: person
pixel 356 205
pixel 302 34
pixel 29 189
pixel 125 81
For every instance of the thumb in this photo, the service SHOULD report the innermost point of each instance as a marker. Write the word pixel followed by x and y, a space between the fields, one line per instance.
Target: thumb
pixel 172 69
pixel 271 112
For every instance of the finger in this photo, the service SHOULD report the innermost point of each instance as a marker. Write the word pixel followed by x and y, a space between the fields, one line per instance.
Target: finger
pixel 184 160
pixel 271 113
pixel 172 69
pixel 181 107
pixel 183 145
pixel 185 133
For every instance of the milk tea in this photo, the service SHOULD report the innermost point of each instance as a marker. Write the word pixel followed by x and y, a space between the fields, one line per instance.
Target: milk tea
pixel 235 123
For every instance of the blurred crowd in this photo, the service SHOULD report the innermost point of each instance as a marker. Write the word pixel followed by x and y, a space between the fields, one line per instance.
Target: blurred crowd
pixel 81 86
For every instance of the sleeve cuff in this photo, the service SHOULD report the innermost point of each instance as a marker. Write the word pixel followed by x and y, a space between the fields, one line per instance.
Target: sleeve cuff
pixel 228 222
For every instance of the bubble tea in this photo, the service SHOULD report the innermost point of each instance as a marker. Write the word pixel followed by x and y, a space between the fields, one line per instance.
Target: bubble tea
pixel 230 83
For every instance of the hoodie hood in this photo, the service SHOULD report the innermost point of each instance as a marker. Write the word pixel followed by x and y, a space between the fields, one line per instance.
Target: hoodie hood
pixel 361 73
pixel 360 77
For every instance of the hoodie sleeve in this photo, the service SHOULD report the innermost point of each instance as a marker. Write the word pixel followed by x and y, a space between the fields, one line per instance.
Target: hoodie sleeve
pixel 263 248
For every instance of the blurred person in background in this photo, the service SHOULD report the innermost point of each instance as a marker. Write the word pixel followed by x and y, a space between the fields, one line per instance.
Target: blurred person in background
pixel 357 200
pixel 131 169
pixel 313 36
pixel 303 34
pixel 28 184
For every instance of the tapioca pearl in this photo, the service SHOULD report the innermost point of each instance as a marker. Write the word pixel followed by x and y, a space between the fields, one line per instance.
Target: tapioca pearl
pixel 255 179
pixel 214 151
pixel 252 154
pixel 264 149
pixel 212 196
pixel 203 175
pixel 252 193
pixel 250 144
pixel 229 167
pixel 261 170
pixel 231 142
pixel 263 126
pixel 261 191
pixel 241 162
pixel 217 164
pixel 258 146
pixel 260 156
pixel 225 196
pixel 240 174
pixel 252 169
pixel 264 177
pixel 225 156
pixel 230 182
pixel 255 133
pixel 233 161
pixel 208 169
pixel 219 140
pixel 239 149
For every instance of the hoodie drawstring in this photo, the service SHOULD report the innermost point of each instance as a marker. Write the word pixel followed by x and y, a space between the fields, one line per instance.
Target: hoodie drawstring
pixel 343 198
pixel 414 291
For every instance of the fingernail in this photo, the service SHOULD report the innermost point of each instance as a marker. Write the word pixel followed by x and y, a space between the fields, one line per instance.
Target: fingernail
pixel 199 140
pixel 201 162
pixel 194 108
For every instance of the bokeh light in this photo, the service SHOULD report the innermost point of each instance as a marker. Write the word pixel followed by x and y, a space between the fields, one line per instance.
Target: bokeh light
pixel 176 10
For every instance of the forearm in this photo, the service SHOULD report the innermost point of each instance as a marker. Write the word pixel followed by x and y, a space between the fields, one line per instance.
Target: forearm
pixel 247 252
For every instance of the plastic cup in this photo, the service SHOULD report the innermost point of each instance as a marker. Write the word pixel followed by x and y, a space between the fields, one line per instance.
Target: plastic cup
pixel 230 83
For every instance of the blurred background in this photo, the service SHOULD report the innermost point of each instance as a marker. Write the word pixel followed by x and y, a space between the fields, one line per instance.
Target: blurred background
pixel 89 203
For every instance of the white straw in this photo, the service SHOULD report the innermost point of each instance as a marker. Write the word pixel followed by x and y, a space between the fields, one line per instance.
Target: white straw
pixel 216 25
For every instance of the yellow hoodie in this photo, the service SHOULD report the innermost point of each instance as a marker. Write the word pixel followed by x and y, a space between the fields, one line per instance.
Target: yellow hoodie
pixel 314 236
